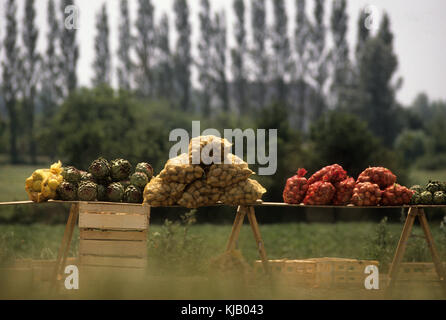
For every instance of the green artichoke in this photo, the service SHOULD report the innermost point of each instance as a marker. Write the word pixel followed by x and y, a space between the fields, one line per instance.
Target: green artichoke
pixel 115 192
pixel 71 174
pixel 132 195
pixel 67 191
pixel 417 188
pixel 416 198
pixel 100 168
pixel 426 197
pixel 102 193
pixel 433 186
pixel 86 176
pixel 146 168
pixel 439 197
pixel 120 169
pixel 125 183
pixel 139 179
pixel 87 191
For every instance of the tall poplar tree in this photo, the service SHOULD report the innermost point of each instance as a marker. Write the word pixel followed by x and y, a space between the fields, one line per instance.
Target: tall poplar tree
pixel 102 61
pixel 259 55
pixel 69 47
pixel 302 34
pixel 125 64
pixel 340 52
pixel 11 85
pixel 281 63
pixel 319 58
pixel 219 60
pixel 204 50
pixel 238 58
pixel 30 65
pixel 183 58
pixel 164 79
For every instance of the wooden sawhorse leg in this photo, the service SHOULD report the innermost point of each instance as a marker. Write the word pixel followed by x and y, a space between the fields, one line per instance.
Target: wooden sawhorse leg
pixel 401 248
pixel 242 211
pixel 66 243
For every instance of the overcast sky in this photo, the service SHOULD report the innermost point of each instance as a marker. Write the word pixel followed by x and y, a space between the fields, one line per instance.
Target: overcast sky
pixel 419 28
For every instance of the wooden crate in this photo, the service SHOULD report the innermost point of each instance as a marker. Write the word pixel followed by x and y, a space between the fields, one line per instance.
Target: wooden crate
pixel 418 271
pixel 113 235
pixel 318 272
pixel 338 272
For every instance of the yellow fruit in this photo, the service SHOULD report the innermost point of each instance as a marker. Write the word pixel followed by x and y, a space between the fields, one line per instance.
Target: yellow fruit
pixel 46 191
pixel 29 182
pixel 40 174
pixel 53 183
pixel 37 185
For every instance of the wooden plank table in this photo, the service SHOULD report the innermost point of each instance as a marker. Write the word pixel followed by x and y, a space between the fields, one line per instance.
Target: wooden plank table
pixel 414 211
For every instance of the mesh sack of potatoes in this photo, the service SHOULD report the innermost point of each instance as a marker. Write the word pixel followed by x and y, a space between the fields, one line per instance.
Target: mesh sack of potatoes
pixel 159 192
pixel 244 192
pixel 179 170
pixel 232 171
pixel 199 194
pixel 201 149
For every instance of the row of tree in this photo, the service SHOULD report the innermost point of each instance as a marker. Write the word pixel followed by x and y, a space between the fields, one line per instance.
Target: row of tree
pixel 273 67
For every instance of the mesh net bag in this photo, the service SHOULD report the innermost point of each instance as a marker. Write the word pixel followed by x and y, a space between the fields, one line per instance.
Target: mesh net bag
pixel 296 188
pixel 244 192
pixel 344 191
pixel 366 194
pixel 232 171
pixel 396 195
pixel 202 148
pixel 159 192
pixel 42 184
pixel 383 177
pixel 333 173
pixel 180 170
pixel 199 194
pixel 320 193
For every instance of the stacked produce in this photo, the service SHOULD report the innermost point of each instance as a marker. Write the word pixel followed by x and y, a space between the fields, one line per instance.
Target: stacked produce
pixel 395 195
pixel 332 186
pixel 296 188
pixel 201 149
pixel 383 177
pixel 344 191
pixel 199 193
pixel 180 170
pixel 43 183
pixel 433 193
pixel 333 174
pixel 104 181
pixel 159 192
pixel 231 171
pixel 320 192
pixel 206 182
pixel 366 194
pixel 244 192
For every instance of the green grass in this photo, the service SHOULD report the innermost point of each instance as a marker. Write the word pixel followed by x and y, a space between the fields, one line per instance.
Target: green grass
pixel 12 181
pixel 292 241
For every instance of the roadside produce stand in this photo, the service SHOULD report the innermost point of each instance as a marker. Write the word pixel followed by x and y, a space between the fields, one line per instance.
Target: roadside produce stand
pixel 130 223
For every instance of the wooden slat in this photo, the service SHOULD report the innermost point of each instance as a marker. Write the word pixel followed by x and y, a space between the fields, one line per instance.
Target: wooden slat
pixel 113 248
pixel 113 261
pixel 96 234
pixel 113 221
pixel 104 207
